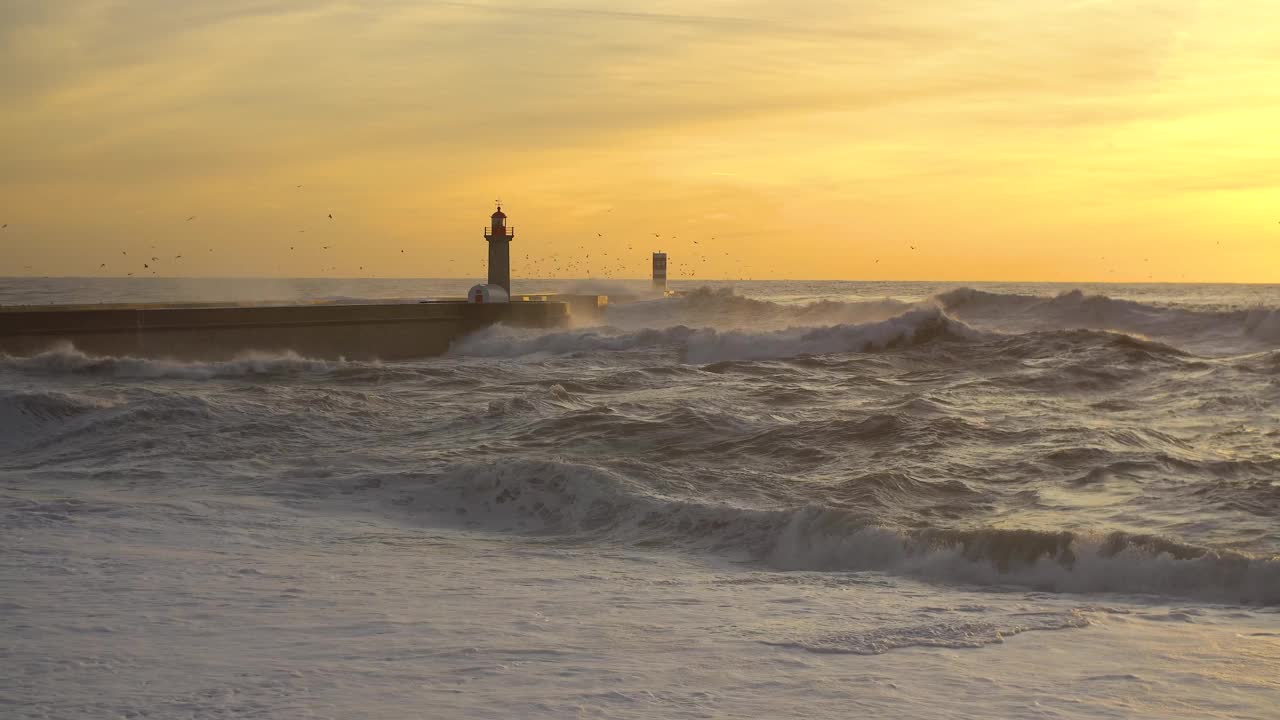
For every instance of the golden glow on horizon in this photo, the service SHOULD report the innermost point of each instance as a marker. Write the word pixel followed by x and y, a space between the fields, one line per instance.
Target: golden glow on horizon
pixel 1086 140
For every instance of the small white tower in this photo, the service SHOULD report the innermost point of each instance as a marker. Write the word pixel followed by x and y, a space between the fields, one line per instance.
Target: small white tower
pixel 660 271
pixel 499 237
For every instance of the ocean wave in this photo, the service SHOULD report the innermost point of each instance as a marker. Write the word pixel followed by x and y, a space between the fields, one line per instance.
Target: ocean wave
pixel 554 498
pixel 710 345
pixel 1214 331
pixel 723 309
pixel 24 413
pixel 707 326
pixel 66 359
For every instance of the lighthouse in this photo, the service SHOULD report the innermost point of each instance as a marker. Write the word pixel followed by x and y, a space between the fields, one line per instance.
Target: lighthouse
pixel 499 237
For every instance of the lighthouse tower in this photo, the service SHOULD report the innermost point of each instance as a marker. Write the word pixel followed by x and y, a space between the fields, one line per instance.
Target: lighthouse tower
pixel 499 237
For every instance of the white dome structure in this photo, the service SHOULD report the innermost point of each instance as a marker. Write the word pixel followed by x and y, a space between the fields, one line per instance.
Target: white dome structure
pixel 487 294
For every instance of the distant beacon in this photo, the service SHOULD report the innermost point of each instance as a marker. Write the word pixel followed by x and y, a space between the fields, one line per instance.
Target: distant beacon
pixel 499 237
pixel 660 271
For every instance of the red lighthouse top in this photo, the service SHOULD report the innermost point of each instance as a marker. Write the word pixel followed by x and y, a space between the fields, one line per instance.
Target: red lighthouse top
pixel 498 227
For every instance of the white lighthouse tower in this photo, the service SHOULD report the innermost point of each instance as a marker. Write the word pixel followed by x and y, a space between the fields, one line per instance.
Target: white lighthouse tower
pixel 499 237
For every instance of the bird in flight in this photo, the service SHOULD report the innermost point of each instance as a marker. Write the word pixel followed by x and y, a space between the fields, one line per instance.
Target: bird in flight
pixel 193 217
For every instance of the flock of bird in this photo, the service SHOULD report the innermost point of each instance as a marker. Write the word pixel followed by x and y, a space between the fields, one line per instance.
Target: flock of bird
pixel 690 259
pixel 606 264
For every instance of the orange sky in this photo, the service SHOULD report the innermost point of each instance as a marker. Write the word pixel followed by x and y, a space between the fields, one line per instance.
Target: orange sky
pixel 1072 140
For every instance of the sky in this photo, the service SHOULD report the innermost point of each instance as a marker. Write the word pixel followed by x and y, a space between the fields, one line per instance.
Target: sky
pixel 1050 140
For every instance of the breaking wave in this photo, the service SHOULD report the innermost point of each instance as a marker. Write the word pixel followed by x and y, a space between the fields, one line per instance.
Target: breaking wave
pixel 707 326
pixel 724 309
pixel 553 498
pixel 709 345
pixel 1213 331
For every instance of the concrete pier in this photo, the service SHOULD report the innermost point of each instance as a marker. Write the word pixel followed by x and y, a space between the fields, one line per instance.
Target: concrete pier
pixel 210 332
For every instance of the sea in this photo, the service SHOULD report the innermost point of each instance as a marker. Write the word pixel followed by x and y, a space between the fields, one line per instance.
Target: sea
pixel 749 500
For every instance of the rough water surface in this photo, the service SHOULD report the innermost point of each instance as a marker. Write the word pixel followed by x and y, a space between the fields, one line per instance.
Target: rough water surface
pixel 771 500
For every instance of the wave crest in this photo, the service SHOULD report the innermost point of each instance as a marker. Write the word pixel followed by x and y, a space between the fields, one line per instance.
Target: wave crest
pixel 709 345
pixel 568 499
pixel 1213 331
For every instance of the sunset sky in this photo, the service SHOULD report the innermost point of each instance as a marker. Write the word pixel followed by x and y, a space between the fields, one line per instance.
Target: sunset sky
pixel 1073 140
